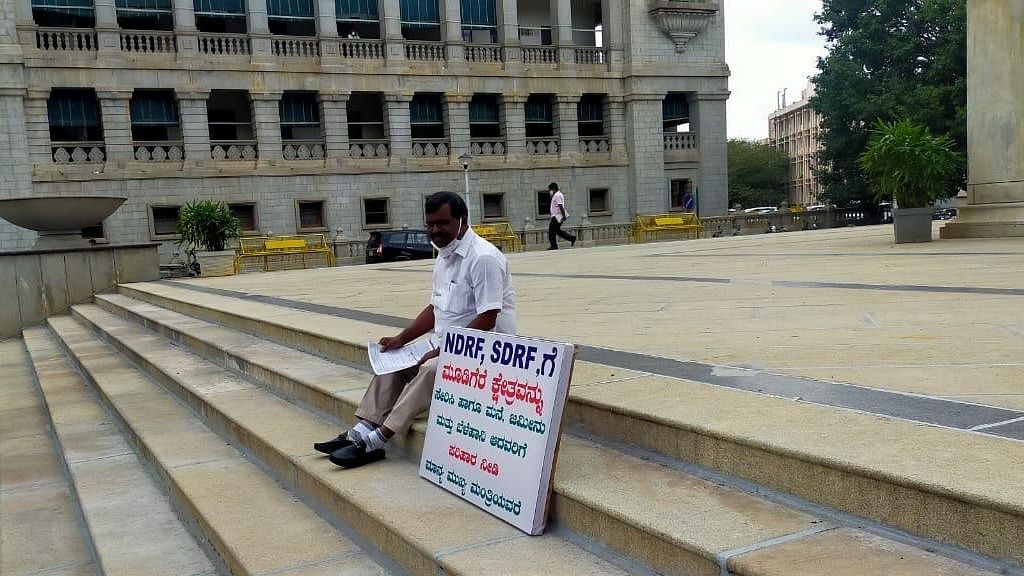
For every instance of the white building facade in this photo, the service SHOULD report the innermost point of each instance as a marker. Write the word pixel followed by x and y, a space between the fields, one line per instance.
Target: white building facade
pixel 795 129
pixel 315 115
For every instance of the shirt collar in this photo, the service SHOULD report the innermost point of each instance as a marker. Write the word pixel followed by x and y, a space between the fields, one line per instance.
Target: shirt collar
pixel 467 242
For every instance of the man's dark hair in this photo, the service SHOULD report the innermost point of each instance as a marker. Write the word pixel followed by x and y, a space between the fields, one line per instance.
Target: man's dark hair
pixel 455 203
pixel 552 187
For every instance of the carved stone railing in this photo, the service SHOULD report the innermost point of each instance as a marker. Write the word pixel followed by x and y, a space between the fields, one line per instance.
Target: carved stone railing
pixel 430 148
pixel 592 56
pixel 159 151
pixel 224 44
pixel 424 51
pixel 682 20
pixel 302 149
pixel 542 146
pixel 78 152
pixel 487 147
pixel 482 53
pixel 368 149
pixel 680 141
pixel 354 49
pixel 148 42
pixel 234 150
pixel 66 39
pixel 536 237
pixel 594 144
pixel 295 47
pixel 540 55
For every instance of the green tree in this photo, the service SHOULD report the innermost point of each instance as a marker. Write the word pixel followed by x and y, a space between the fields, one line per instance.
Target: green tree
pixel 888 60
pixel 757 174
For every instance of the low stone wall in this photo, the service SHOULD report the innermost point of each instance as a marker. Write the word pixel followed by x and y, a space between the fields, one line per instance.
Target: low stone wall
pixel 35 284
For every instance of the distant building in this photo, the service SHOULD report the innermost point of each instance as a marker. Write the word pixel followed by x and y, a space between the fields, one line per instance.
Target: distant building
pixel 794 129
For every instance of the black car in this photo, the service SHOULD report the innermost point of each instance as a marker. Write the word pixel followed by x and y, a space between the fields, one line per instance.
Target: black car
pixel 944 214
pixel 398 246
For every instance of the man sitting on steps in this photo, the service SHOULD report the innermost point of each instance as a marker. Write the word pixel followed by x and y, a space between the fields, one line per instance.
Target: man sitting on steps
pixel 473 289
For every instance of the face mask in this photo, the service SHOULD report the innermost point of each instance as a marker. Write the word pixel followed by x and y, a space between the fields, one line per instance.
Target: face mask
pixel 448 250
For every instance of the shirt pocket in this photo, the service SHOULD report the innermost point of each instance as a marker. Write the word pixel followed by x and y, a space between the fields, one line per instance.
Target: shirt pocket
pixel 459 298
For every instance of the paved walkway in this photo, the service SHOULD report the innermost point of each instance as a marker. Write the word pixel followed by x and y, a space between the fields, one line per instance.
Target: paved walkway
pixel 944 320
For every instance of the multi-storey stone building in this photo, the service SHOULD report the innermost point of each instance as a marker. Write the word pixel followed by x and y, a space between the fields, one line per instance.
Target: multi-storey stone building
pixel 795 129
pixel 314 115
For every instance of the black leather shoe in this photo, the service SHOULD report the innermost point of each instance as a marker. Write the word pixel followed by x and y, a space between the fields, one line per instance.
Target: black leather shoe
pixel 332 446
pixel 355 455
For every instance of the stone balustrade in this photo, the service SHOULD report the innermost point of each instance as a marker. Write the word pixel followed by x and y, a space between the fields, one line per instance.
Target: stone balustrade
pixel 591 56
pixel 66 40
pixel 224 44
pixel 356 49
pixel 159 151
pixel 234 150
pixel 594 145
pixel 369 149
pixel 540 55
pixel 542 146
pixel 424 51
pixel 303 149
pixel 78 152
pixel 295 47
pixel 430 148
pixel 148 42
pixel 680 141
pixel 484 53
pixel 487 147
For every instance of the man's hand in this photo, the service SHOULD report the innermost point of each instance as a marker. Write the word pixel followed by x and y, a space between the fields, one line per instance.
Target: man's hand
pixel 389 343
pixel 430 356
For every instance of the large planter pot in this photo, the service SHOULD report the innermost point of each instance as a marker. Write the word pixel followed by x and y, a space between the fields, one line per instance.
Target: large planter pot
pixel 216 263
pixel 913 224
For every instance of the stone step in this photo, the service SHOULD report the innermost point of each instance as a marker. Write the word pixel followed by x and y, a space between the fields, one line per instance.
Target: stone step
pixel 420 528
pixel 882 469
pixel 39 528
pixel 129 521
pixel 655 515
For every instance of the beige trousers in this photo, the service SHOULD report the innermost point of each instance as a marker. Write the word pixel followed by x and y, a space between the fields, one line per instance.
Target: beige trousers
pixel 395 400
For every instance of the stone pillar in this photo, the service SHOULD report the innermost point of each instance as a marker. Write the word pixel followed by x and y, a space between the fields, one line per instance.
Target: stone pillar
pixel 615 120
pixel 195 126
pixel 567 121
pixel 513 121
pixel 391 13
pixel 334 117
pixel 327 28
pixel 15 152
pixel 108 33
pixel 458 123
pixel 117 125
pixel 266 119
pixel 611 26
pixel 37 126
pixel 995 122
pixel 708 118
pixel 561 16
pixel 259 31
pixel 399 129
pixel 454 48
pixel 185 29
pixel 645 145
pixel 510 30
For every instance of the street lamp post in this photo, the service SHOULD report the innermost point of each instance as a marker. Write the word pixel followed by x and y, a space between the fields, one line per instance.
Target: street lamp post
pixel 466 159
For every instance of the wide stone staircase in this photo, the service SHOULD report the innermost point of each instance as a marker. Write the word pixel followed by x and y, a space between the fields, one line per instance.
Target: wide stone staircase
pixel 165 430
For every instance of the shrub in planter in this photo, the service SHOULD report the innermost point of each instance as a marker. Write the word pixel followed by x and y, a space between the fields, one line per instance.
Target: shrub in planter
pixel 205 227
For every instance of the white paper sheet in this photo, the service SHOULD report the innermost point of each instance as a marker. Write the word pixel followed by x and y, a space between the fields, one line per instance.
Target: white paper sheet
pixel 400 359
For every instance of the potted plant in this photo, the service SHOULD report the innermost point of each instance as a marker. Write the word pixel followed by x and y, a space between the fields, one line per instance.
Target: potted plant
pixel 205 228
pixel 905 162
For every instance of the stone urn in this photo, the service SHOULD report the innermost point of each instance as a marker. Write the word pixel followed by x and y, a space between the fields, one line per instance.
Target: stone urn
pixel 59 220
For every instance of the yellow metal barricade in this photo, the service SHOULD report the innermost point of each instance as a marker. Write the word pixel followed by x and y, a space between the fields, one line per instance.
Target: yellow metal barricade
pixel 500 234
pixel 267 254
pixel 685 225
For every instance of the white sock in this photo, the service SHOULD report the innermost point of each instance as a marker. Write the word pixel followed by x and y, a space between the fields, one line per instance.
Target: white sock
pixel 361 430
pixel 375 441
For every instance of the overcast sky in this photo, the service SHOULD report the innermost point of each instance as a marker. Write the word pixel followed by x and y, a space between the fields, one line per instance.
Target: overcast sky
pixel 770 45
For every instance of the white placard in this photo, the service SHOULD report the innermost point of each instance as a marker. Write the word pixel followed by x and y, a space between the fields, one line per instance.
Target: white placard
pixel 495 418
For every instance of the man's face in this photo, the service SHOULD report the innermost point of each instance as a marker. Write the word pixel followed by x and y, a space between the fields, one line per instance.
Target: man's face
pixel 442 227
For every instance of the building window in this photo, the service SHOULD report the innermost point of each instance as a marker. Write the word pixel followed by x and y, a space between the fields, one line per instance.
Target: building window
pixel 164 220
pixel 681 198
pixel 484 117
pixel 358 18
pixel 543 204
pixel 675 113
pixel 63 13
pixel 145 14
pixel 230 115
pixel 479 21
pixel 421 20
pixel 291 17
pixel 599 201
pixel 590 114
pixel 220 16
pixel 376 212
pixel 494 206
pixel 366 116
pixel 540 116
pixel 154 115
pixel 426 115
pixel 300 116
pixel 246 214
pixel 311 215
pixel 74 116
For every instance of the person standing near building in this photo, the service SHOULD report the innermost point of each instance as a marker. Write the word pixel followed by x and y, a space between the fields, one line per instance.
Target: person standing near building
pixel 558 217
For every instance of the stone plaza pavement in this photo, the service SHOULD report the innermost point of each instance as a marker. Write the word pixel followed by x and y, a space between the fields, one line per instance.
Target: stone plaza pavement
pixel 944 319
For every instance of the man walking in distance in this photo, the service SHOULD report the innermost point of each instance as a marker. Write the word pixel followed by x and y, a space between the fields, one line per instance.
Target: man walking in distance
pixel 558 217
pixel 472 289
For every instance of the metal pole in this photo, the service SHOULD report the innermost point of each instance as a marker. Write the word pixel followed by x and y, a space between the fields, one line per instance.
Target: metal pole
pixel 469 205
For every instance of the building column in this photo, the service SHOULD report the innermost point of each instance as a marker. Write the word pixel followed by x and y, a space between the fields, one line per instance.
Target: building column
pixel 399 128
pixel 108 33
pixel 645 145
pixel 568 125
pixel 708 118
pixel 510 31
pixel 266 119
pixel 561 16
pixel 391 13
pixel 513 117
pixel 612 33
pixel 458 123
pixel 15 152
pixel 334 116
pixel 117 125
pixel 185 29
pixel 23 29
pixel 615 119
pixel 37 126
pixel 195 125
pixel 327 28
pixel 259 31
pixel 455 51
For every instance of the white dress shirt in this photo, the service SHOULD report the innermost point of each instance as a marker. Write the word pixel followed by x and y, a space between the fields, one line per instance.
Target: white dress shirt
pixel 472 280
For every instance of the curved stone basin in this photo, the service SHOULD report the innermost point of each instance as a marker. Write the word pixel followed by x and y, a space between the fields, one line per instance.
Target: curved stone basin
pixel 59 219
